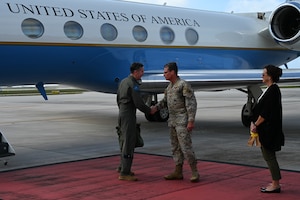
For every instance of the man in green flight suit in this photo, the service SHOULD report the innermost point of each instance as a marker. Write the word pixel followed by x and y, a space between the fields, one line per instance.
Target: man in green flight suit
pixel 129 99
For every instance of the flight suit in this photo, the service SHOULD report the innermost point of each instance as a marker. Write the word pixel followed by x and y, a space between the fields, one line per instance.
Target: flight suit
pixel 129 99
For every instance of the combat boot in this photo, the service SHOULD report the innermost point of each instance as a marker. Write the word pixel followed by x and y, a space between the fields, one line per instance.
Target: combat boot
pixel 176 175
pixel 195 175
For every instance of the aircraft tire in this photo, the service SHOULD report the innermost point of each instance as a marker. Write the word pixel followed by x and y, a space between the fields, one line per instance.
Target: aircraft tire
pixel 150 118
pixel 246 120
pixel 162 115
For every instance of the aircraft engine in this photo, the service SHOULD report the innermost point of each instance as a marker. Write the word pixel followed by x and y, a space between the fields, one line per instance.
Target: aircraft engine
pixel 284 25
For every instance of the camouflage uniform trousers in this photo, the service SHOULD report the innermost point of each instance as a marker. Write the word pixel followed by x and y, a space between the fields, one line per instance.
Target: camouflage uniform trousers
pixel 181 145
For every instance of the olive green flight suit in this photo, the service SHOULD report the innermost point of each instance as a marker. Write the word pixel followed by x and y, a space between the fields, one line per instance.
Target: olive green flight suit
pixel 129 99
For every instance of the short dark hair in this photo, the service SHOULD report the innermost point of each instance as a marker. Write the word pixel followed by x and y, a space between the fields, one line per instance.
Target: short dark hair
pixel 274 72
pixel 135 66
pixel 172 66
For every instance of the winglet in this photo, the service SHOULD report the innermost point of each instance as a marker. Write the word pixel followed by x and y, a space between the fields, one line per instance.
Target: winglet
pixel 41 89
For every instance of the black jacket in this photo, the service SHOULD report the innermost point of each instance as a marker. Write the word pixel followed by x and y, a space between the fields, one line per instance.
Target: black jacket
pixel 270 108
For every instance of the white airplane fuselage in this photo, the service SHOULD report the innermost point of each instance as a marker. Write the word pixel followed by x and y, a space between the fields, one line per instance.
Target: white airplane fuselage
pixel 91 44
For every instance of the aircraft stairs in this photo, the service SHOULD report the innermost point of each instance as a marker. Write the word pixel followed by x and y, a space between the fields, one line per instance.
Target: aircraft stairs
pixel 6 149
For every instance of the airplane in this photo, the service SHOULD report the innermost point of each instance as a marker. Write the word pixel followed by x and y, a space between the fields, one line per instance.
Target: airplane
pixel 91 44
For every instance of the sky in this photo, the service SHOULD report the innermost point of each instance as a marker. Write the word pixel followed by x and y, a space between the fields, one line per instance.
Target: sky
pixel 221 5
pixel 226 6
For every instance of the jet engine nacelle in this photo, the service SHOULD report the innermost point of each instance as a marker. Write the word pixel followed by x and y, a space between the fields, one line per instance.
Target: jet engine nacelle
pixel 285 25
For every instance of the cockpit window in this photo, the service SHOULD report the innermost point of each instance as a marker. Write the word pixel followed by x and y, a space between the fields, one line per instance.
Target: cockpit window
pixel 167 35
pixel 191 36
pixel 32 28
pixel 108 32
pixel 139 33
pixel 73 30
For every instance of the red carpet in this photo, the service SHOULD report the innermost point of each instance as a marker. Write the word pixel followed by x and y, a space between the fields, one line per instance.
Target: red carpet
pixel 97 179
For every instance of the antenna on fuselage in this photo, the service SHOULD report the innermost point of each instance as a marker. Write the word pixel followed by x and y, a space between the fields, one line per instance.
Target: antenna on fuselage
pixel 41 89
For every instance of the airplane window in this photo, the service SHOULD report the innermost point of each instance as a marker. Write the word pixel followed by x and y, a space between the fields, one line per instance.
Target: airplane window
pixel 109 32
pixel 73 30
pixel 167 35
pixel 32 28
pixel 191 36
pixel 139 33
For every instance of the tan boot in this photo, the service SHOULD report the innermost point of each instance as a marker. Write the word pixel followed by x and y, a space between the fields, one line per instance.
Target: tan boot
pixel 127 178
pixel 195 175
pixel 176 175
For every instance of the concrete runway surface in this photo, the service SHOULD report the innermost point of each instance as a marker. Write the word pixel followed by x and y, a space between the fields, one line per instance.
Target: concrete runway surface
pixel 82 126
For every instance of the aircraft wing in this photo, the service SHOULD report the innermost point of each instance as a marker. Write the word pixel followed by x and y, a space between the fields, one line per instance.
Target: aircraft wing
pixel 154 81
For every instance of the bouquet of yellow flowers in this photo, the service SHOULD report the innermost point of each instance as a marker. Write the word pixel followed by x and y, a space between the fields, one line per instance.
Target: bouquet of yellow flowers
pixel 254 139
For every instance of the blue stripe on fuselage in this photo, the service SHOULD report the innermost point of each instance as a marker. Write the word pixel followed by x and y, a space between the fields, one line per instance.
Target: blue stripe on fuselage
pixel 99 68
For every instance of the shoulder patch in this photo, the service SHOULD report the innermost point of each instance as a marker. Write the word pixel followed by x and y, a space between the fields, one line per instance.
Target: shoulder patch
pixel 136 88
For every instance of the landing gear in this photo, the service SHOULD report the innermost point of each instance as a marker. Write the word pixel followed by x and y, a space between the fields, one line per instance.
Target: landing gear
pixel 253 94
pixel 246 116
pixel 161 115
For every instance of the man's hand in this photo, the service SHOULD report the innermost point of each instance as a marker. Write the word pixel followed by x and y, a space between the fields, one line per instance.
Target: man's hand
pixel 190 126
pixel 153 110
pixel 253 128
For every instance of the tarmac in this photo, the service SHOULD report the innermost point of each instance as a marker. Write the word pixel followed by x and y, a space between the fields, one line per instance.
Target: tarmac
pixel 73 130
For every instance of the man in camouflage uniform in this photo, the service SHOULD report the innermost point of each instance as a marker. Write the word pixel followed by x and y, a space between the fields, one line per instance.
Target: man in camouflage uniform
pixel 129 99
pixel 182 105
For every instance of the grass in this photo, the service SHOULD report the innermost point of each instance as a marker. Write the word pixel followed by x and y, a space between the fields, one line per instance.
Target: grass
pixel 33 91
pixel 10 91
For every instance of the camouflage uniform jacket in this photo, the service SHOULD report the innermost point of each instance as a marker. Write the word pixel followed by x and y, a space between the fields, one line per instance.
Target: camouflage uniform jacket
pixel 181 102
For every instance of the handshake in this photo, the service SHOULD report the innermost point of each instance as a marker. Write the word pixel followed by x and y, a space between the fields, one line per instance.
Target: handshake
pixel 154 109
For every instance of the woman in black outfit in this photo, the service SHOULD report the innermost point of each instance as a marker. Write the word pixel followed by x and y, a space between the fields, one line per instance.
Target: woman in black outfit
pixel 267 122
